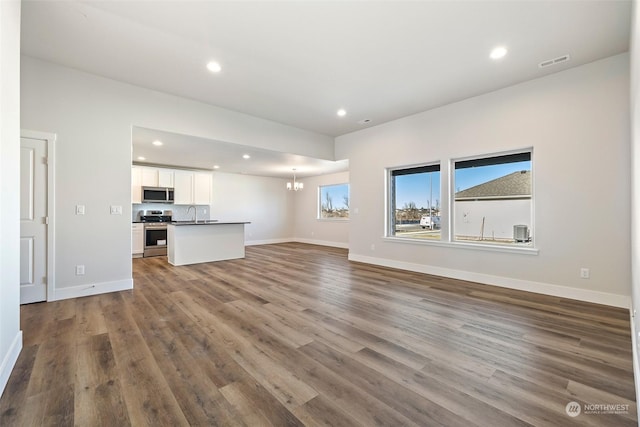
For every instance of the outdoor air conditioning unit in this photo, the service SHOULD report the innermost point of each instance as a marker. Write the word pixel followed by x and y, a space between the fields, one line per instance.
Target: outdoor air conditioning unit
pixel 521 233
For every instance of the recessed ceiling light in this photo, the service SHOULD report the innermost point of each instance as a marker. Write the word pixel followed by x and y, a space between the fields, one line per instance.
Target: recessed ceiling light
pixel 342 112
pixel 157 143
pixel 142 158
pixel 216 167
pixel 498 52
pixel 214 67
pixel 246 156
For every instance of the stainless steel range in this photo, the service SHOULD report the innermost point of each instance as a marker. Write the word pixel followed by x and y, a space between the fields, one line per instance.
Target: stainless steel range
pixel 155 232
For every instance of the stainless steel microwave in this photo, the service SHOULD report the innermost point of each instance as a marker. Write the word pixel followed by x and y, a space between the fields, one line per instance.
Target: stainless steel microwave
pixel 157 195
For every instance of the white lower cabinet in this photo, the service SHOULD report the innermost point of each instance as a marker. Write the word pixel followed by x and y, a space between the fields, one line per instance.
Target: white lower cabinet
pixel 137 239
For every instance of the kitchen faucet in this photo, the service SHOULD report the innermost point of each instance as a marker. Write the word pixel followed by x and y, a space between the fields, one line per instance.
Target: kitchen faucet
pixel 195 212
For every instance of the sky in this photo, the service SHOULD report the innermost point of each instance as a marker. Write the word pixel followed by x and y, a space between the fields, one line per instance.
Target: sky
pixel 417 188
pixel 337 193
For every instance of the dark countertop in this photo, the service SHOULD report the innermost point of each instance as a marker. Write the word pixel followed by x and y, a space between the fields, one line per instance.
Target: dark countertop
pixel 207 222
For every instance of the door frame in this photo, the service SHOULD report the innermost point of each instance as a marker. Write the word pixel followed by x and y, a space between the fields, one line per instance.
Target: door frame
pixel 50 139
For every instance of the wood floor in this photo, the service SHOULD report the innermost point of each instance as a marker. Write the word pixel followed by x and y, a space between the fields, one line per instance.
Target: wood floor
pixel 297 335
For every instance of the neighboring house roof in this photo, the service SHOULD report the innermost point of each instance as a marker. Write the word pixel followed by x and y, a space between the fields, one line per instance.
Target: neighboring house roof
pixel 516 185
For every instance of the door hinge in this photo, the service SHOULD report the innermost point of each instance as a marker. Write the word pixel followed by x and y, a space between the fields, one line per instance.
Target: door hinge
pixel 45 160
pixel 44 280
pixel 45 220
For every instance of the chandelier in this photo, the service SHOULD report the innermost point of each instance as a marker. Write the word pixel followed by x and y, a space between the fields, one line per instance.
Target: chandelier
pixel 295 185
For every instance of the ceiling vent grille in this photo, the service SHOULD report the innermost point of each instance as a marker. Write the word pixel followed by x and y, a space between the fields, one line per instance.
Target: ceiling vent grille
pixel 554 61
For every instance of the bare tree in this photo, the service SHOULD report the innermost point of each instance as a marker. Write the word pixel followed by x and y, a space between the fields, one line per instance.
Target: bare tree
pixel 410 210
pixel 328 205
pixel 345 199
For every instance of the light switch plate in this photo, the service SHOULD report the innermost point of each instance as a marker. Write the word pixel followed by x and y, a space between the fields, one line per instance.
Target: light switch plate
pixel 79 209
pixel 116 210
pixel 585 273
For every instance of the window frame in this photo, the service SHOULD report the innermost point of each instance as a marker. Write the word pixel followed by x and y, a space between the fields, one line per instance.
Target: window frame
pixel 390 206
pixel 319 202
pixel 483 160
pixel 447 214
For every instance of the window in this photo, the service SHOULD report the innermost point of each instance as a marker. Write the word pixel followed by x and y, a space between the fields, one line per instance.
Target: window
pixel 333 201
pixel 414 202
pixel 492 200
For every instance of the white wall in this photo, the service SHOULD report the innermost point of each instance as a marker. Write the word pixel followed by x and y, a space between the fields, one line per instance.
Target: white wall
pixel 10 334
pixel 263 201
pixel 308 228
pixel 577 122
pixel 635 182
pixel 495 218
pixel 92 117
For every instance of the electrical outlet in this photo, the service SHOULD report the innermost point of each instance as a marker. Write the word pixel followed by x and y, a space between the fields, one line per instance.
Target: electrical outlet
pixel 79 270
pixel 584 273
pixel 116 210
pixel 79 209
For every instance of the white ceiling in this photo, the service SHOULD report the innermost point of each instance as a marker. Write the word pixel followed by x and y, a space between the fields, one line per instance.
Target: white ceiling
pixel 193 152
pixel 298 62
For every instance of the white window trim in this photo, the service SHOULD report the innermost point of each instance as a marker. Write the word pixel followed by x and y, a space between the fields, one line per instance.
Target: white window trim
pixel 447 232
pixel 524 250
pixel 319 203
pixel 451 180
pixel 387 194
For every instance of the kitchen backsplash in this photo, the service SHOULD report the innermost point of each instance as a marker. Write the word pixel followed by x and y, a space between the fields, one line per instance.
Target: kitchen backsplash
pixel 179 212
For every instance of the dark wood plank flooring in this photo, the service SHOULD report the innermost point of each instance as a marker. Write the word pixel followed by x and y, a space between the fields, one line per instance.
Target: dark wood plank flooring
pixel 296 334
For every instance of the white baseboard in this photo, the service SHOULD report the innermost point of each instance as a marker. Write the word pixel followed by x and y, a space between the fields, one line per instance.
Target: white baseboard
pixel 266 242
pixel 322 243
pixel 586 295
pixel 297 240
pixel 634 350
pixel 91 289
pixel 9 361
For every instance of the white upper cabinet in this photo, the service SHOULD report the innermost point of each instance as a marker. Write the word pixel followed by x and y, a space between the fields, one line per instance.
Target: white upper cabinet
pixel 202 188
pixel 165 178
pixel 149 177
pixel 183 188
pixel 136 184
pixel 190 187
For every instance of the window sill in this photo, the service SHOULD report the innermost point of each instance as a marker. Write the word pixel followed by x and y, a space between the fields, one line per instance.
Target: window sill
pixel 333 219
pixel 524 250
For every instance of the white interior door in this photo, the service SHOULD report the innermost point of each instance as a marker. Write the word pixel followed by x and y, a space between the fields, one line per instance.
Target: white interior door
pixel 33 220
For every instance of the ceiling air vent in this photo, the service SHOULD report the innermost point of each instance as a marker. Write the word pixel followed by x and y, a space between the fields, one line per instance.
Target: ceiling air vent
pixel 364 121
pixel 554 61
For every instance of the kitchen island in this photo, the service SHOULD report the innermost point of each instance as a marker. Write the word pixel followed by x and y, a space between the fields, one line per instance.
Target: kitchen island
pixel 193 242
